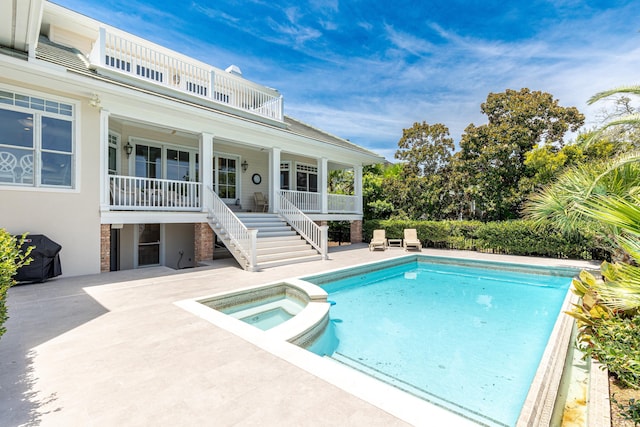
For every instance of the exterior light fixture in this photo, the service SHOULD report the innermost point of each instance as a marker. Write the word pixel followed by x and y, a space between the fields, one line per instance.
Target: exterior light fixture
pixel 94 101
pixel 244 165
pixel 128 149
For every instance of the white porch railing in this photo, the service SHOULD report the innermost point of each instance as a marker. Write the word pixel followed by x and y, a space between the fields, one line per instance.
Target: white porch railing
pixel 134 193
pixel 342 203
pixel 312 202
pixel 226 224
pixel 317 236
pixel 145 60
pixel 303 200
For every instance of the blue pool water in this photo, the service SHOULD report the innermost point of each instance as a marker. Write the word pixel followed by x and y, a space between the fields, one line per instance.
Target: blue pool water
pixel 468 338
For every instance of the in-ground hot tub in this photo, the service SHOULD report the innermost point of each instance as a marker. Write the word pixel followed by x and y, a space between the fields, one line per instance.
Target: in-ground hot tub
pixel 293 311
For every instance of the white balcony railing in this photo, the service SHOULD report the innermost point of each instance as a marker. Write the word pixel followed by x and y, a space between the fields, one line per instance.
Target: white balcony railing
pixel 342 203
pixel 144 60
pixel 303 200
pixel 312 202
pixel 133 193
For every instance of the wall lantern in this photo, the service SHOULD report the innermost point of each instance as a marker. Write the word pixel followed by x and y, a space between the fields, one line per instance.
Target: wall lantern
pixel 244 165
pixel 128 149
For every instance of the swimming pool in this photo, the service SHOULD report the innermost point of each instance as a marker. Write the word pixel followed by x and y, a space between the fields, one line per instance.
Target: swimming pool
pixel 465 336
pixel 304 329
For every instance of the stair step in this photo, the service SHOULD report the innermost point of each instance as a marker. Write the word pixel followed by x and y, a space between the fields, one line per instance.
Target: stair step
pixel 268 234
pixel 290 242
pixel 277 242
pixel 286 255
pixel 263 224
pixel 267 239
pixel 287 261
pixel 283 249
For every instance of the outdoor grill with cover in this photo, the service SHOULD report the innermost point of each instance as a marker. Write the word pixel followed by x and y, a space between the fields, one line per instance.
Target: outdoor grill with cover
pixel 45 257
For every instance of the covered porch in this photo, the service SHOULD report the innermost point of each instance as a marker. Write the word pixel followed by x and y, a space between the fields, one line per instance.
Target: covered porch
pixel 153 168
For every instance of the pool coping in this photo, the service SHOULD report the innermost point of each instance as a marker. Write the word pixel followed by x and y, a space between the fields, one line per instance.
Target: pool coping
pixel 538 405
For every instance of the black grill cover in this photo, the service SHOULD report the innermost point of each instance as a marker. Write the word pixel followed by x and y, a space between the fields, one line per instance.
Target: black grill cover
pixel 46 259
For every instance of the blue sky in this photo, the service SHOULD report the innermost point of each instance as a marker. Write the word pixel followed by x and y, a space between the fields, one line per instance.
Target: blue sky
pixel 364 70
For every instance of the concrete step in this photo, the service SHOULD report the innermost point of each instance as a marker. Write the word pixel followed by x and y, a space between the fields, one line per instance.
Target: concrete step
pixel 286 255
pixel 281 233
pixel 287 261
pixel 280 242
pixel 283 249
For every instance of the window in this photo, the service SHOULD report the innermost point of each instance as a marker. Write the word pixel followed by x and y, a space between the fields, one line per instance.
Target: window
pixel 160 161
pixel 178 165
pixel 148 161
pixel 37 141
pixel 114 146
pixel 306 178
pixel 285 175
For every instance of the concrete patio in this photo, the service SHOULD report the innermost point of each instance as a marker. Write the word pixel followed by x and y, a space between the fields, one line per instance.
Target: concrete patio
pixel 114 350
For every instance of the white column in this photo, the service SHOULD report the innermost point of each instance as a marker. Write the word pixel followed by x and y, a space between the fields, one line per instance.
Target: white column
pixel 206 168
pixel 274 179
pixel 105 183
pixel 323 177
pixel 357 186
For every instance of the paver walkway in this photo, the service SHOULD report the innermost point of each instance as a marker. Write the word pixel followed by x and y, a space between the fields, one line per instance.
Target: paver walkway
pixel 113 350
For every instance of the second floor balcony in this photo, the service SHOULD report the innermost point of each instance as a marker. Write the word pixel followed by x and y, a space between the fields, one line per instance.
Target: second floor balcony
pixel 151 63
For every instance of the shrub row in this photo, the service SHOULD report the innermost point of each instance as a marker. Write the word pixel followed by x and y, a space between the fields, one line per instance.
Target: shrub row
pixel 517 237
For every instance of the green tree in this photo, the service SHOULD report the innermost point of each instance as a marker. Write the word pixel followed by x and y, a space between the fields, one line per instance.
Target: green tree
pixel 426 148
pixel 340 182
pixel 492 156
pixel 11 259
pixel 420 189
pixel 375 203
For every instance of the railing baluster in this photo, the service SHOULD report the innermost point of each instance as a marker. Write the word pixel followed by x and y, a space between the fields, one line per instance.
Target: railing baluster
pixel 151 64
pixel 135 193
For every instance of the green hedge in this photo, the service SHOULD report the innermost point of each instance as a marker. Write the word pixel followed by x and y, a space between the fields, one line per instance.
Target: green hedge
pixel 517 237
pixel 11 259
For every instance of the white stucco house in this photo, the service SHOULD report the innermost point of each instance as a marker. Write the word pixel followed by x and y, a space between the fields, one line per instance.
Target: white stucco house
pixel 129 154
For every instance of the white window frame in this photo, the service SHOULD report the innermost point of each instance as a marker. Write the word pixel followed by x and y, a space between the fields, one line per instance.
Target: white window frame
pixel 287 164
pixel 238 159
pixel 163 146
pixel 308 169
pixel 28 97
pixel 117 137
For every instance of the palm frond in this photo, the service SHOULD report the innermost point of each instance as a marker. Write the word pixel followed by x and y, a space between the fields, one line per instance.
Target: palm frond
pixel 628 120
pixel 634 90
pixel 622 289
pixel 616 211
pixel 623 171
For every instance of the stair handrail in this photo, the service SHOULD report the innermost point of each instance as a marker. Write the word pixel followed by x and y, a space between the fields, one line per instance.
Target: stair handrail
pixel 244 239
pixel 316 235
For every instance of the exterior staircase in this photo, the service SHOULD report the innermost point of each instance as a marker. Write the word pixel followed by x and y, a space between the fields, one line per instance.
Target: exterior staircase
pixel 277 242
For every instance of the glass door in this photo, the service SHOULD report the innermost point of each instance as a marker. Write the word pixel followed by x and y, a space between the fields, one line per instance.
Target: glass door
pixel 148 244
pixel 225 178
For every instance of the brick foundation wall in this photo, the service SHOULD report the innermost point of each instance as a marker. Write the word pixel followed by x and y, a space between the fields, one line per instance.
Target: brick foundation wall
pixel 356 231
pixel 105 247
pixel 203 239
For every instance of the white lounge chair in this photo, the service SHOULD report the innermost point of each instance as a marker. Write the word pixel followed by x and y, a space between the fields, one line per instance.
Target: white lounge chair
pixel 378 241
pixel 411 239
